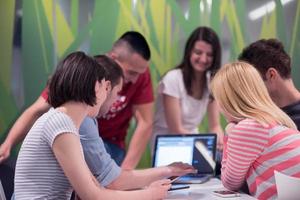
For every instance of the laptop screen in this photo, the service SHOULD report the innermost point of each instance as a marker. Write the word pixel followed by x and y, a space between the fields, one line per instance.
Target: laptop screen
pixel 195 149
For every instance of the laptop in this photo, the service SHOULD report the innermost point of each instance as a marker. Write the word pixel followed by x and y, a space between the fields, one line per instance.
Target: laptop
pixel 195 149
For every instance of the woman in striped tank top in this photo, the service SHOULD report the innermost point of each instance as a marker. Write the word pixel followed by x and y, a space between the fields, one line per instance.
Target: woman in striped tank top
pixel 51 163
pixel 260 137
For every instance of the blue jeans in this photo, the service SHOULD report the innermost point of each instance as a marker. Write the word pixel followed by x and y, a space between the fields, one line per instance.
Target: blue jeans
pixel 116 152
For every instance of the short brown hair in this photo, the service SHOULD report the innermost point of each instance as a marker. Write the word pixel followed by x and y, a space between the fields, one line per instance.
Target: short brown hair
pixel 266 53
pixel 114 71
pixel 136 42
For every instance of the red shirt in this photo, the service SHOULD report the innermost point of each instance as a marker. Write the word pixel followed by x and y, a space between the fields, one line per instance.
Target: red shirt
pixel 44 93
pixel 113 126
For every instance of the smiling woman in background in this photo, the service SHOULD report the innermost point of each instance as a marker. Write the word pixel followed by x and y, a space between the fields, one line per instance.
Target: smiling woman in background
pixel 260 137
pixel 183 95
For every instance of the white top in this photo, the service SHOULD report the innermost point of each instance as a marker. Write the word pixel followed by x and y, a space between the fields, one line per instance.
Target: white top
pixel 192 110
pixel 38 174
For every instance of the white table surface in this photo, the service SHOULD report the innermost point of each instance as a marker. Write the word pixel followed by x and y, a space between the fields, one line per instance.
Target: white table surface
pixel 203 191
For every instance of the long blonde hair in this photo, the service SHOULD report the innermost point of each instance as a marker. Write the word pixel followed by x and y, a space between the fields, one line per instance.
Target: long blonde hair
pixel 241 93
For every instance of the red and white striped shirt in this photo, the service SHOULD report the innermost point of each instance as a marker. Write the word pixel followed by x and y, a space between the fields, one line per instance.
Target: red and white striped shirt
pixel 252 152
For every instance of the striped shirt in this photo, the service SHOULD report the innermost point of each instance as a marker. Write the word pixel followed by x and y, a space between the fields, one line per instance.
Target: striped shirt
pixel 252 152
pixel 38 174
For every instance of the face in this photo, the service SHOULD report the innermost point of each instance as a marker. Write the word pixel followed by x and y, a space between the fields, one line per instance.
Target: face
pixel 133 66
pixel 101 92
pixel 111 98
pixel 201 56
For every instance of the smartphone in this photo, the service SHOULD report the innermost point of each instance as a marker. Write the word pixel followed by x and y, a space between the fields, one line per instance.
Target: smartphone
pixel 179 187
pixel 226 193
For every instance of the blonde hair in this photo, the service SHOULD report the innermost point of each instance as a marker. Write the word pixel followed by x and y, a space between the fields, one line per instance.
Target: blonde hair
pixel 241 93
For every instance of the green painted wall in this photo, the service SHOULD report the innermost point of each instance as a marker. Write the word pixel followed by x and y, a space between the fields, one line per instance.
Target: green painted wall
pixel 50 31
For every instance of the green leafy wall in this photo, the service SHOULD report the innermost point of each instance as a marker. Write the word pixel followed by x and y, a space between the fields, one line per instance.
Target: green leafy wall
pixel 49 33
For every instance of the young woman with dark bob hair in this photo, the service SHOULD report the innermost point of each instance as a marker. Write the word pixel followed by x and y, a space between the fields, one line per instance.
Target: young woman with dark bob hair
pixel 51 161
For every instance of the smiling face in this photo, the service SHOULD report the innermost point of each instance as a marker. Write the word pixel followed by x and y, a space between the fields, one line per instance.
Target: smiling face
pixel 111 98
pixel 201 57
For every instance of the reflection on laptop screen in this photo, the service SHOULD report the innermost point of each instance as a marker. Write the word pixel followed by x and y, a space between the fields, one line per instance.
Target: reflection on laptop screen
pixel 196 149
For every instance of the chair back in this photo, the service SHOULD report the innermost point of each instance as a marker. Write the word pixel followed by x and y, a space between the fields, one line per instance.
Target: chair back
pixel 288 187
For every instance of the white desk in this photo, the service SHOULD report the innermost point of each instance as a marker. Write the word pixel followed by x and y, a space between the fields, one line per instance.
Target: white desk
pixel 203 191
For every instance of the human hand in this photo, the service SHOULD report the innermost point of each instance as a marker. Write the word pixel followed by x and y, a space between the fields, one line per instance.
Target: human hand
pixel 180 169
pixel 4 152
pixel 159 189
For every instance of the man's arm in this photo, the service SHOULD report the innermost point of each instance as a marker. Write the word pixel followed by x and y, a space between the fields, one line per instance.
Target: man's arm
pixel 144 116
pixel 132 179
pixel 214 122
pixel 110 175
pixel 22 126
pixel 102 166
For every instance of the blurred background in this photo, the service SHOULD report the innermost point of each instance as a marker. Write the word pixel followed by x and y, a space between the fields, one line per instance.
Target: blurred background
pixel 36 34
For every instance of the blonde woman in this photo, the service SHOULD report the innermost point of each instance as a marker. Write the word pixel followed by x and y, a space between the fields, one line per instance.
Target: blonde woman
pixel 260 137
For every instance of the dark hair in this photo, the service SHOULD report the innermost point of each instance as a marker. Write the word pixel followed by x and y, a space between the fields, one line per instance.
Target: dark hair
pixel 209 36
pixel 114 71
pixel 137 43
pixel 74 80
pixel 266 53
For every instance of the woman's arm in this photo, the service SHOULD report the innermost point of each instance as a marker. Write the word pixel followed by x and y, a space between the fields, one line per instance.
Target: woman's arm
pixel 173 114
pixel 70 157
pixel 241 149
pixel 214 122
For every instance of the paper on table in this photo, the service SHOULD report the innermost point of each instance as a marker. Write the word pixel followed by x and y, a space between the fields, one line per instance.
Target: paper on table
pixel 287 186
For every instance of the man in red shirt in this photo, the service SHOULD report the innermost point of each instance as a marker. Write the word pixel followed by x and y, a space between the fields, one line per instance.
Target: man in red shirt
pixel 132 53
